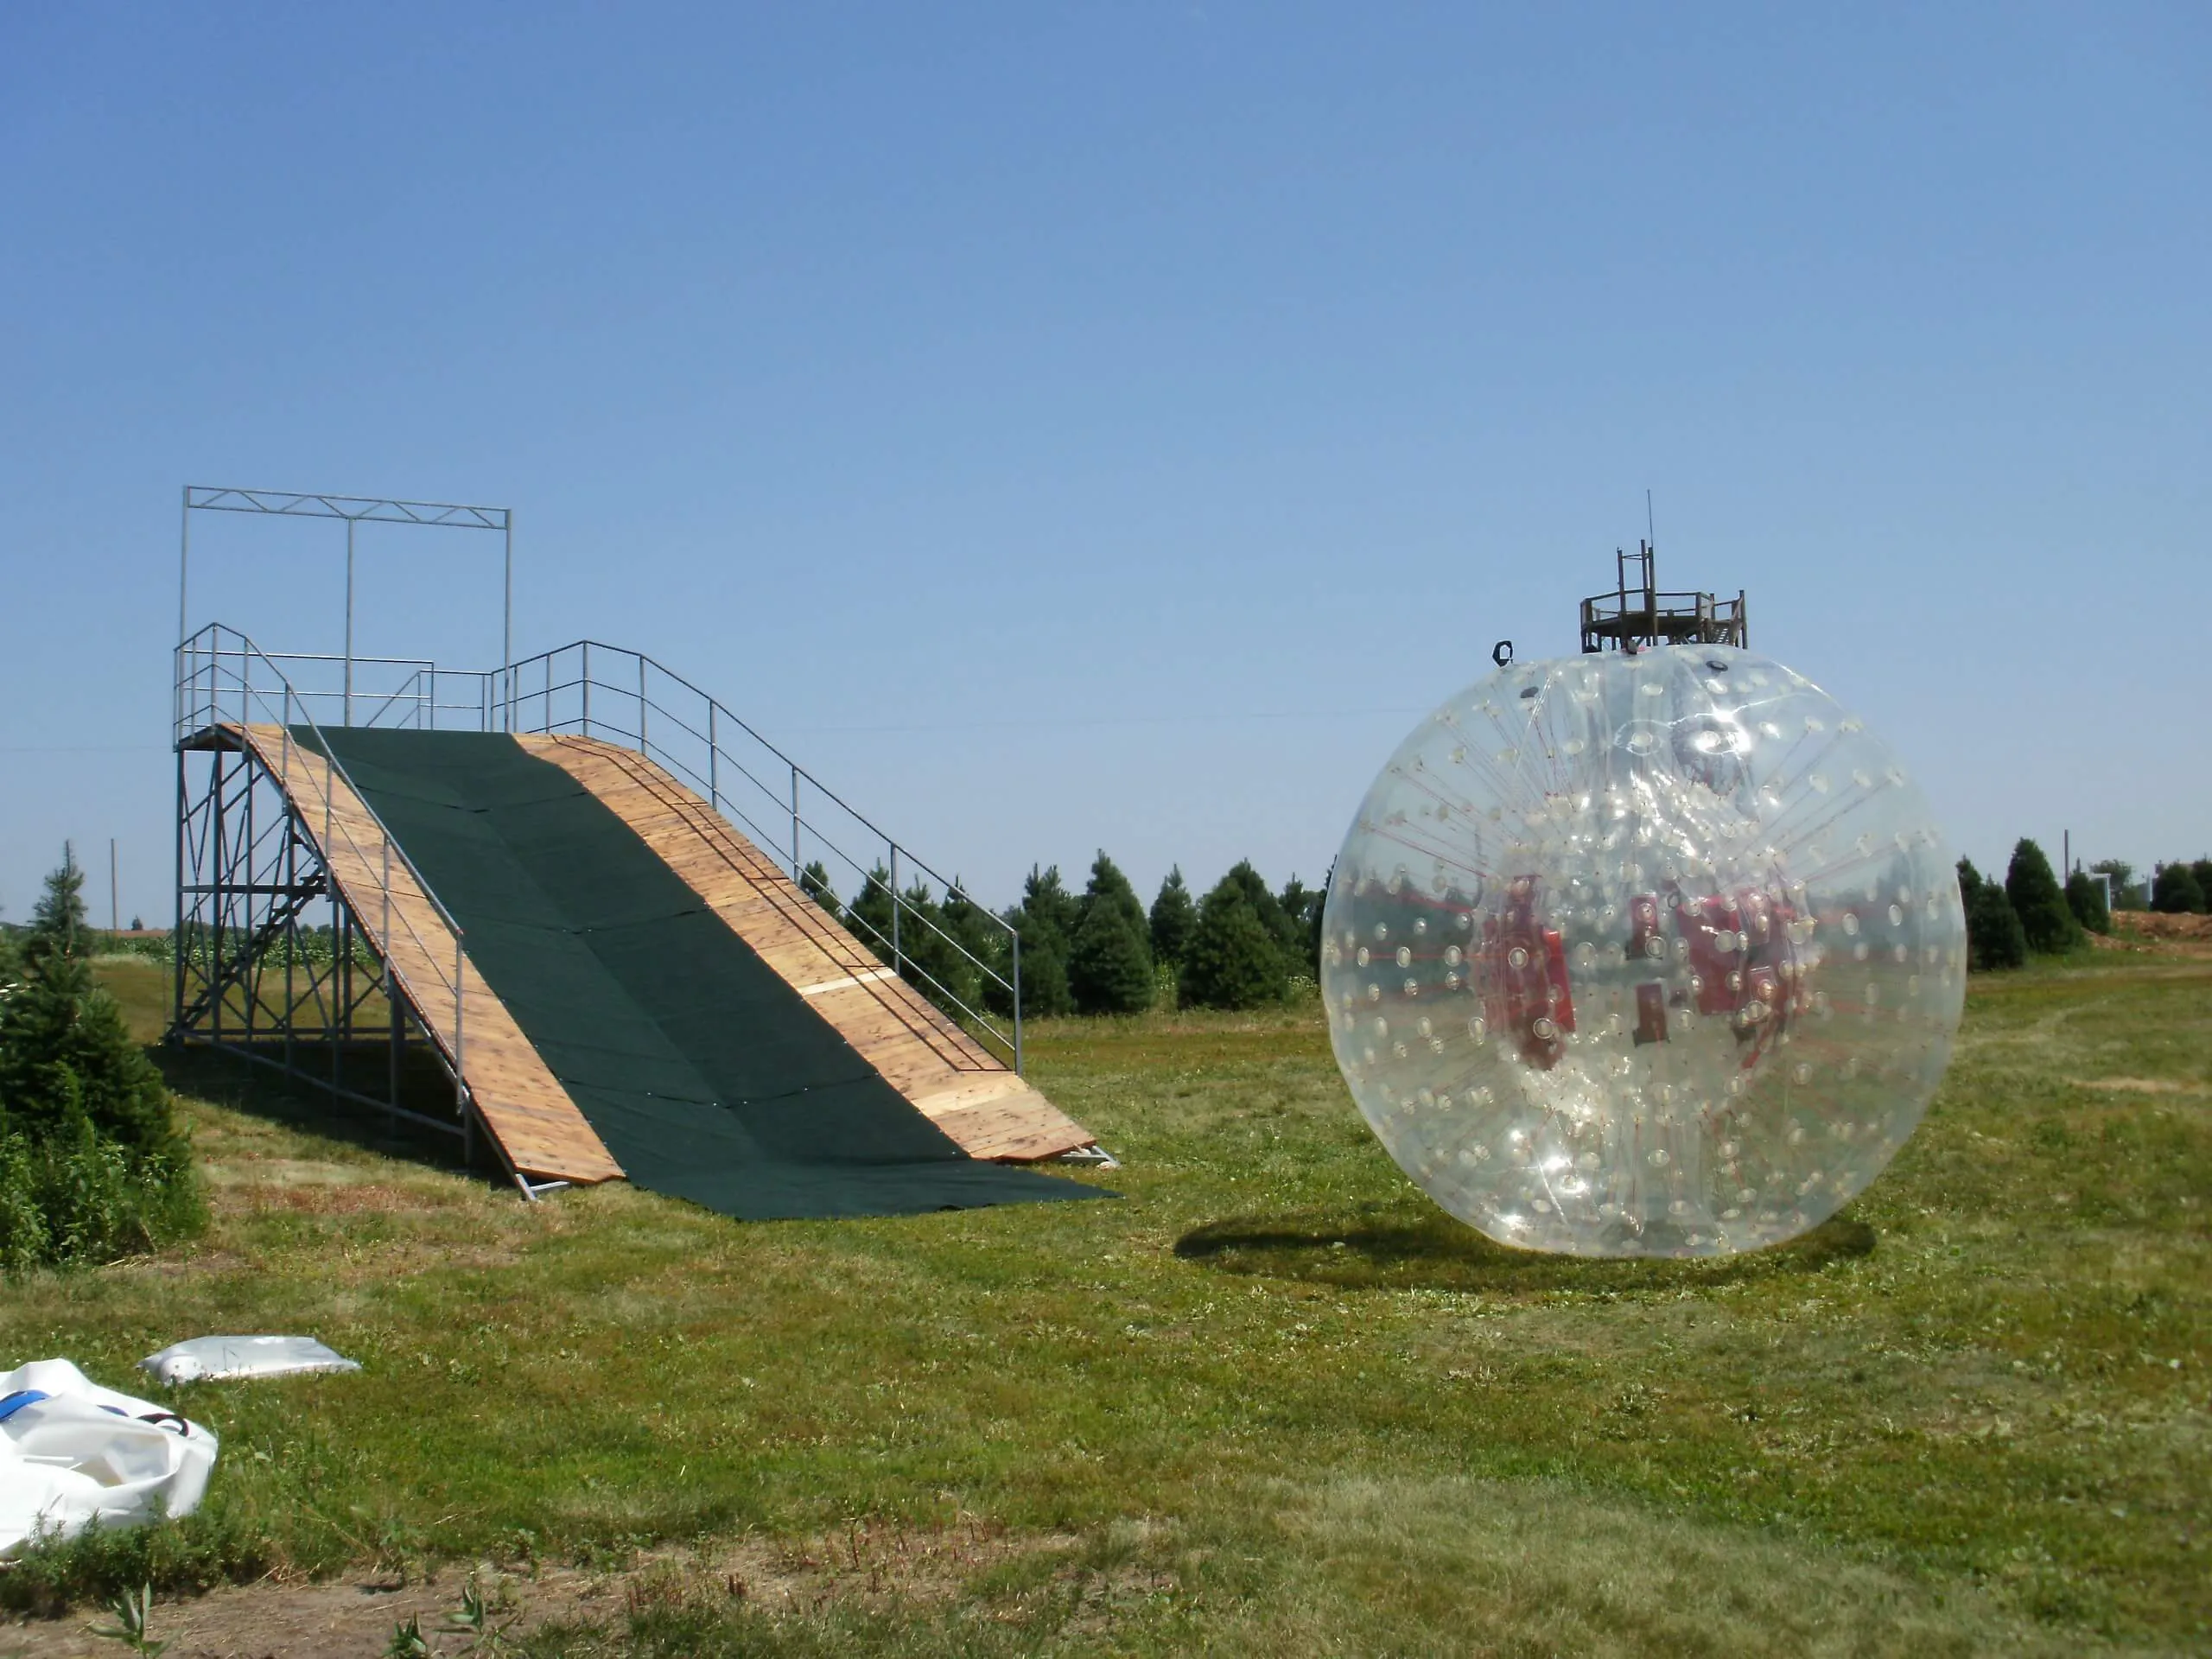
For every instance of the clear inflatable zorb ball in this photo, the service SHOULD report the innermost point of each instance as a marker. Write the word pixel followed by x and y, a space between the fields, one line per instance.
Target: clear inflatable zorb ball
pixel 1650 954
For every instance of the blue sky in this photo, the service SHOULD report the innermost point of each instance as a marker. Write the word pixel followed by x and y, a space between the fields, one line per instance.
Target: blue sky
pixel 1068 427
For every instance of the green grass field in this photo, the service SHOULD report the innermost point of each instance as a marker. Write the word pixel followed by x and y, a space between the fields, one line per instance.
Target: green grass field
pixel 1270 1400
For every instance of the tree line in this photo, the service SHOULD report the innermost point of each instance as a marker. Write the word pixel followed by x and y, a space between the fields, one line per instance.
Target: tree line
pixel 2031 912
pixel 1242 945
pixel 92 1165
pixel 2180 888
pixel 1245 946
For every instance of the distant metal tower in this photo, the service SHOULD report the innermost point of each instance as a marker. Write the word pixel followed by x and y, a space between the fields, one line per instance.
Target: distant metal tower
pixel 1636 615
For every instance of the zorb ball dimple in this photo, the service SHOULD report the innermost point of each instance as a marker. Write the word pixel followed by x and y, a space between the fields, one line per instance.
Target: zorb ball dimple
pixel 1643 955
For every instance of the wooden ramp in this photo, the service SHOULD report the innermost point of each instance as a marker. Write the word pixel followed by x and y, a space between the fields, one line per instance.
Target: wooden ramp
pixel 982 1105
pixel 975 1099
pixel 518 1100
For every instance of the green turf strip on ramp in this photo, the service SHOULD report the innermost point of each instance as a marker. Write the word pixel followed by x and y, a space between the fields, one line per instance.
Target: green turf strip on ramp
pixel 706 1075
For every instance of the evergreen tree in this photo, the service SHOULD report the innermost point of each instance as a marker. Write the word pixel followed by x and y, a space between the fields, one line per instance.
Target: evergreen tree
pixel 2201 869
pixel 91 1163
pixel 1994 936
pixel 1046 901
pixel 1045 921
pixel 2038 902
pixel 2175 891
pixel 58 918
pixel 1109 887
pixel 868 917
pixel 1109 959
pixel 814 882
pixel 1044 967
pixel 2086 899
pixel 1234 961
pixel 66 1054
pixel 977 935
pixel 1288 934
pixel 1174 915
pixel 928 959
pixel 1317 924
pixel 1301 908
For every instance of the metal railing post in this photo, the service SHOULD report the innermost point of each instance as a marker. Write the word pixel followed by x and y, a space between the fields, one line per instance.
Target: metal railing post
pixel 291 880
pixel 461 1056
pixel 391 985
pixel 214 884
pixel 794 820
pixel 251 985
pixel 291 941
pixel 586 677
pixel 177 938
pixel 897 961
pixel 1017 1004
pixel 642 749
pixel 348 720
pixel 713 757
pixel 341 982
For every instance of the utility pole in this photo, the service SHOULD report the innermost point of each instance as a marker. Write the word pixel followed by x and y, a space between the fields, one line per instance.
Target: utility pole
pixel 114 890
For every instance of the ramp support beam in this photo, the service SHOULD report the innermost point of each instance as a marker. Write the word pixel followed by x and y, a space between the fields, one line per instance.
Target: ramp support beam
pixel 268 956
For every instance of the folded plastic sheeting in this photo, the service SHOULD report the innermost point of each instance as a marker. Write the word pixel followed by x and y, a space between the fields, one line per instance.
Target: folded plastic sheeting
pixel 72 1453
pixel 224 1359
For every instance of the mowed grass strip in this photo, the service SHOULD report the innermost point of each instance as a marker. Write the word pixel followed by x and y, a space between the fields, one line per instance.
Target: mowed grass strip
pixel 1271 1399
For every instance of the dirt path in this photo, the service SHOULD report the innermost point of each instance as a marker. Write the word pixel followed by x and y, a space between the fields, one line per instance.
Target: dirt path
pixel 342 1618
pixel 356 1615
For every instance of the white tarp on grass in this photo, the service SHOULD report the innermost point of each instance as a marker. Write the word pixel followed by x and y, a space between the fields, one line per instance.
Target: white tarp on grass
pixel 225 1359
pixel 72 1453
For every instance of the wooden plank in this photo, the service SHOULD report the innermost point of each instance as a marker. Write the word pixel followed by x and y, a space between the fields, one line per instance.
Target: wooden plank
pixel 1013 1131
pixel 518 1099
pixel 986 1107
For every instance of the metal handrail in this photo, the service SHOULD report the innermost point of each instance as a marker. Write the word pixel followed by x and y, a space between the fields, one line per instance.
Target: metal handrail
pixel 196 660
pixel 390 842
pixel 508 710
pixel 800 807
pixel 218 655
pixel 1637 601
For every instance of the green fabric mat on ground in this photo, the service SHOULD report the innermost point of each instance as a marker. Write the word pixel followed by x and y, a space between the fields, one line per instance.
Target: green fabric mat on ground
pixel 706 1075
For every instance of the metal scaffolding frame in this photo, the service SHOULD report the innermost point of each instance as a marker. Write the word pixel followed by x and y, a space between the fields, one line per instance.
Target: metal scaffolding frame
pixel 353 510
pixel 271 965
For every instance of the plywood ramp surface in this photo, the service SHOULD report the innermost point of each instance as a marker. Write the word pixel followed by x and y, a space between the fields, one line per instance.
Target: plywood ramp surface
pixel 952 1079
pixel 520 1101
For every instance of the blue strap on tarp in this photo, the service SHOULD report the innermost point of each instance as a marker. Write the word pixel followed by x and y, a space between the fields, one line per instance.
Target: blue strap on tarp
pixel 15 1403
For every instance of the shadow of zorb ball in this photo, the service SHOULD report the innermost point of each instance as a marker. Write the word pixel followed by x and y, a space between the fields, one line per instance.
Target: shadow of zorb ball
pixel 1650 954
